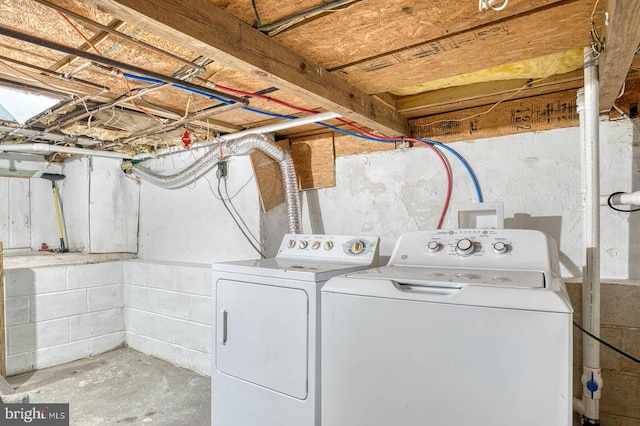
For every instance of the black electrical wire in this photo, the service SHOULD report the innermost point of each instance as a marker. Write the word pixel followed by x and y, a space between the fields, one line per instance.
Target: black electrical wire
pixel 617 209
pixel 610 346
pixel 224 202
pixel 255 10
pixel 237 213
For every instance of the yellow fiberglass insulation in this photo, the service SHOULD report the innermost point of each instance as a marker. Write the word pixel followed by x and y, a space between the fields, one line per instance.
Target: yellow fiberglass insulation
pixel 540 67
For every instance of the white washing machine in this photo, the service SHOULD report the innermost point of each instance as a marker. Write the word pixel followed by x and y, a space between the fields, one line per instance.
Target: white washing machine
pixel 462 327
pixel 265 364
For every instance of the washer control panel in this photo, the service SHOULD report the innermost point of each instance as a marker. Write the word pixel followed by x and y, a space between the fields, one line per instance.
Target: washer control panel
pixel 348 247
pixel 479 248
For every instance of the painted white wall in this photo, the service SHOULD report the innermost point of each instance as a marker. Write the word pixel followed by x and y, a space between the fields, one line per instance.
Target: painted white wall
pixel 168 311
pixel 182 232
pixel 62 313
pixel 535 175
pixel 191 224
pixel 114 206
pixel 99 206
pixel 16 213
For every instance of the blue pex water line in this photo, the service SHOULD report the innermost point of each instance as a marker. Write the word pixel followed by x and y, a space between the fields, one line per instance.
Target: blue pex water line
pixel 178 86
pixel 464 162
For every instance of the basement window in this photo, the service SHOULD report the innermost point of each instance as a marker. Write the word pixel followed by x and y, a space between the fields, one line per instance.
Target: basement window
pixel 20 106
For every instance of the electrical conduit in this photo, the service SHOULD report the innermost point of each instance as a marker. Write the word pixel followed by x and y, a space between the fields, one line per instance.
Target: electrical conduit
pixel 240 146
pixel 588 108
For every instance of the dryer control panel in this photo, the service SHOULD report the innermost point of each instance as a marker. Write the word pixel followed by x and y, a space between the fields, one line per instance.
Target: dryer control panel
pixel 516 249
pixel 330 247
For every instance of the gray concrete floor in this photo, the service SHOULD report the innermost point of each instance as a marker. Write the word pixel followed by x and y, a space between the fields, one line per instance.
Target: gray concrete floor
pixel 122 387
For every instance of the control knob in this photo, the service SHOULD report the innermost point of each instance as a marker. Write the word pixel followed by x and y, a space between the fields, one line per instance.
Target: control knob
pixel 328 245
pixel 433 246
pixel 500 248
pixel 465 247
pixel 315 245
pixel 357 247
pixel 291 243
pixel 303 244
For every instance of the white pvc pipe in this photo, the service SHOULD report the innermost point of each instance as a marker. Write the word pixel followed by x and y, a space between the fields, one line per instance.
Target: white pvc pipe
pixel 269 128
pixel 578 406
pixel 282 125
pixel 588 108
pixel 44 148
pixel 624 199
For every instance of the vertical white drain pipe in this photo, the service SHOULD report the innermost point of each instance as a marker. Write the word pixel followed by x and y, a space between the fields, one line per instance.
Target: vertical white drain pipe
pixel 589 110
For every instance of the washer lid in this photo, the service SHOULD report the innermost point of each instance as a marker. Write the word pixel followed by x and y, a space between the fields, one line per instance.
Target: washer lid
pixel 454 277
pixel 527 290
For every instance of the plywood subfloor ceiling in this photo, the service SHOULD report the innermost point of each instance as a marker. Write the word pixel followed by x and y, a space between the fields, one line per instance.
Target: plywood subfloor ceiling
pixel 133 75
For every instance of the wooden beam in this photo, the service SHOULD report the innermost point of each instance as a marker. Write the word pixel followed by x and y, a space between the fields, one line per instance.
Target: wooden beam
pixel 557 28
pixel 551 111
pixel 473 95
pixel 101 36
pixel 210 31
pixel 621 38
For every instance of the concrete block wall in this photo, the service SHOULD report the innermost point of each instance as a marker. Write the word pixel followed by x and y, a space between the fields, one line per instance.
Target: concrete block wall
pixel 168 311
pixel 620 403
pixel 59 314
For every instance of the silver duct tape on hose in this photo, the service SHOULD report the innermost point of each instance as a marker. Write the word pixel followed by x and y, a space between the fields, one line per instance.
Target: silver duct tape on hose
pixel 240 146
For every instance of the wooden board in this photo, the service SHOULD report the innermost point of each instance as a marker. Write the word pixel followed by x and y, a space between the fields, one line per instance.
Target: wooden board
pixel 350 145
pixel 376 22
pixel 268 177
pixel 561 28
pixel 545 112
pixel 314 161
pixel 472 95
pixel 621 37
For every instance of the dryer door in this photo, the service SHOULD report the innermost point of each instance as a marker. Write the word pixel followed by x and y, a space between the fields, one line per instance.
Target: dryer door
pixel 262 335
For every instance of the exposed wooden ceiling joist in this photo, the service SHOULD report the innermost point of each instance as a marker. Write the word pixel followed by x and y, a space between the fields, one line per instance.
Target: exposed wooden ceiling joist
pixel 211 31
pixel 621 39
pixel 95 40
pixel 486 93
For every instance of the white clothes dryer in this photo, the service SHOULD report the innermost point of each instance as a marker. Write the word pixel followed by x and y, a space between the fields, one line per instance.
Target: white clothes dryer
pixel 462 327
pixel 265 364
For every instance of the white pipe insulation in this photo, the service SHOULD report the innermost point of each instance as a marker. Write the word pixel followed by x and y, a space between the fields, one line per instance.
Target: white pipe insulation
pixel 244 145
pixel 588 108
